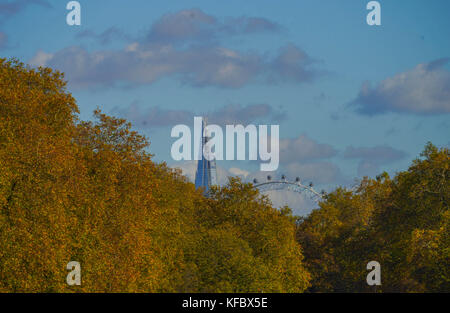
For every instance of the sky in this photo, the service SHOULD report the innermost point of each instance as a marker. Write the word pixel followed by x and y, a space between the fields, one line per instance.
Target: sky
pixel 351 100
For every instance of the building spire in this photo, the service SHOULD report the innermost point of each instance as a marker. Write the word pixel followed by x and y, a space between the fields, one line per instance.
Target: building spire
pixel 206 175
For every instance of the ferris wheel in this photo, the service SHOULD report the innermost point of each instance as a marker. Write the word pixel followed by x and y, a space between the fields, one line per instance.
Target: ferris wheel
pixel 285 184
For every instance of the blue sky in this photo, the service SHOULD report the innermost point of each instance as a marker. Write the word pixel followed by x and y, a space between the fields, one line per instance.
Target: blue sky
pixel 351 99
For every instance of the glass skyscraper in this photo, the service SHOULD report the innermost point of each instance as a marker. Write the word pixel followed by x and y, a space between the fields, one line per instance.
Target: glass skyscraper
pixel 206 174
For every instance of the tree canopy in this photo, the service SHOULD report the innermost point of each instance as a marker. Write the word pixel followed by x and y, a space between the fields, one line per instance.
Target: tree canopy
pixel 400 222
pixel 89 192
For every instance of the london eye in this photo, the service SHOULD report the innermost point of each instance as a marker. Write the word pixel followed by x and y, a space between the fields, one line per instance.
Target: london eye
pixel 284 184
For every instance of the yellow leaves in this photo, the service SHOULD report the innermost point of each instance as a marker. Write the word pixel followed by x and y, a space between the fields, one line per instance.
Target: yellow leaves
pixel 89 192
pixel 400 222
pixel 423 246
pixel 249 245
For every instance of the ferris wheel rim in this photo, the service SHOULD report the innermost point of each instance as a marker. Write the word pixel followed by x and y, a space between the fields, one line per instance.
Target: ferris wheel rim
pixel 297 184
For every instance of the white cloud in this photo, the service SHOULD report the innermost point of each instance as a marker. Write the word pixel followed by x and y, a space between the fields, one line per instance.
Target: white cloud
pixel 238 172
pixel 145 64
pixel 424 89
pixel 184 46
pixel 304 148
pixel 41 58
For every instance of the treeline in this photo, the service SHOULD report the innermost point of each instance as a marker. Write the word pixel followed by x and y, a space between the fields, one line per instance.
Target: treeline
pixel 81 191
pixel 402 222
pixel 89 192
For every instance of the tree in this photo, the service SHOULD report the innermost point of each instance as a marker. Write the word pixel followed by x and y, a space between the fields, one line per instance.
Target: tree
pixel 269 259
pixel 36 126
pixel 402 223
pixel 88 191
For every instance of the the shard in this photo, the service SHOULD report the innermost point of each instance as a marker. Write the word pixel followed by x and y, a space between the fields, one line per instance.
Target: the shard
pixel 206 174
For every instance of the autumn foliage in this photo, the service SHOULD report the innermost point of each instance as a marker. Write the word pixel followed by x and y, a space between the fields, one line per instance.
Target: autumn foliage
pixel 73 190
pixel 89 192
pixel 401 222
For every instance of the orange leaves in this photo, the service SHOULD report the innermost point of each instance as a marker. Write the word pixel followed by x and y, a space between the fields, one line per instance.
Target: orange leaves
pixel 89 192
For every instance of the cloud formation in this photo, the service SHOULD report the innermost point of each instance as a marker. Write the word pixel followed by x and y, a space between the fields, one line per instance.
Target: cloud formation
pixel 145 64
pixel 307 159
pixel 292 64
pixel 371 158
pixel 139 65
pixel 181 46
pixel 304 148
pixel 155 117
pixel 195 25
pixel 424 89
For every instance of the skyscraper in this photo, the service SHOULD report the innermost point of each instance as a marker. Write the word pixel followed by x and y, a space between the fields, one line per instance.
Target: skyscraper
pixel 206 174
